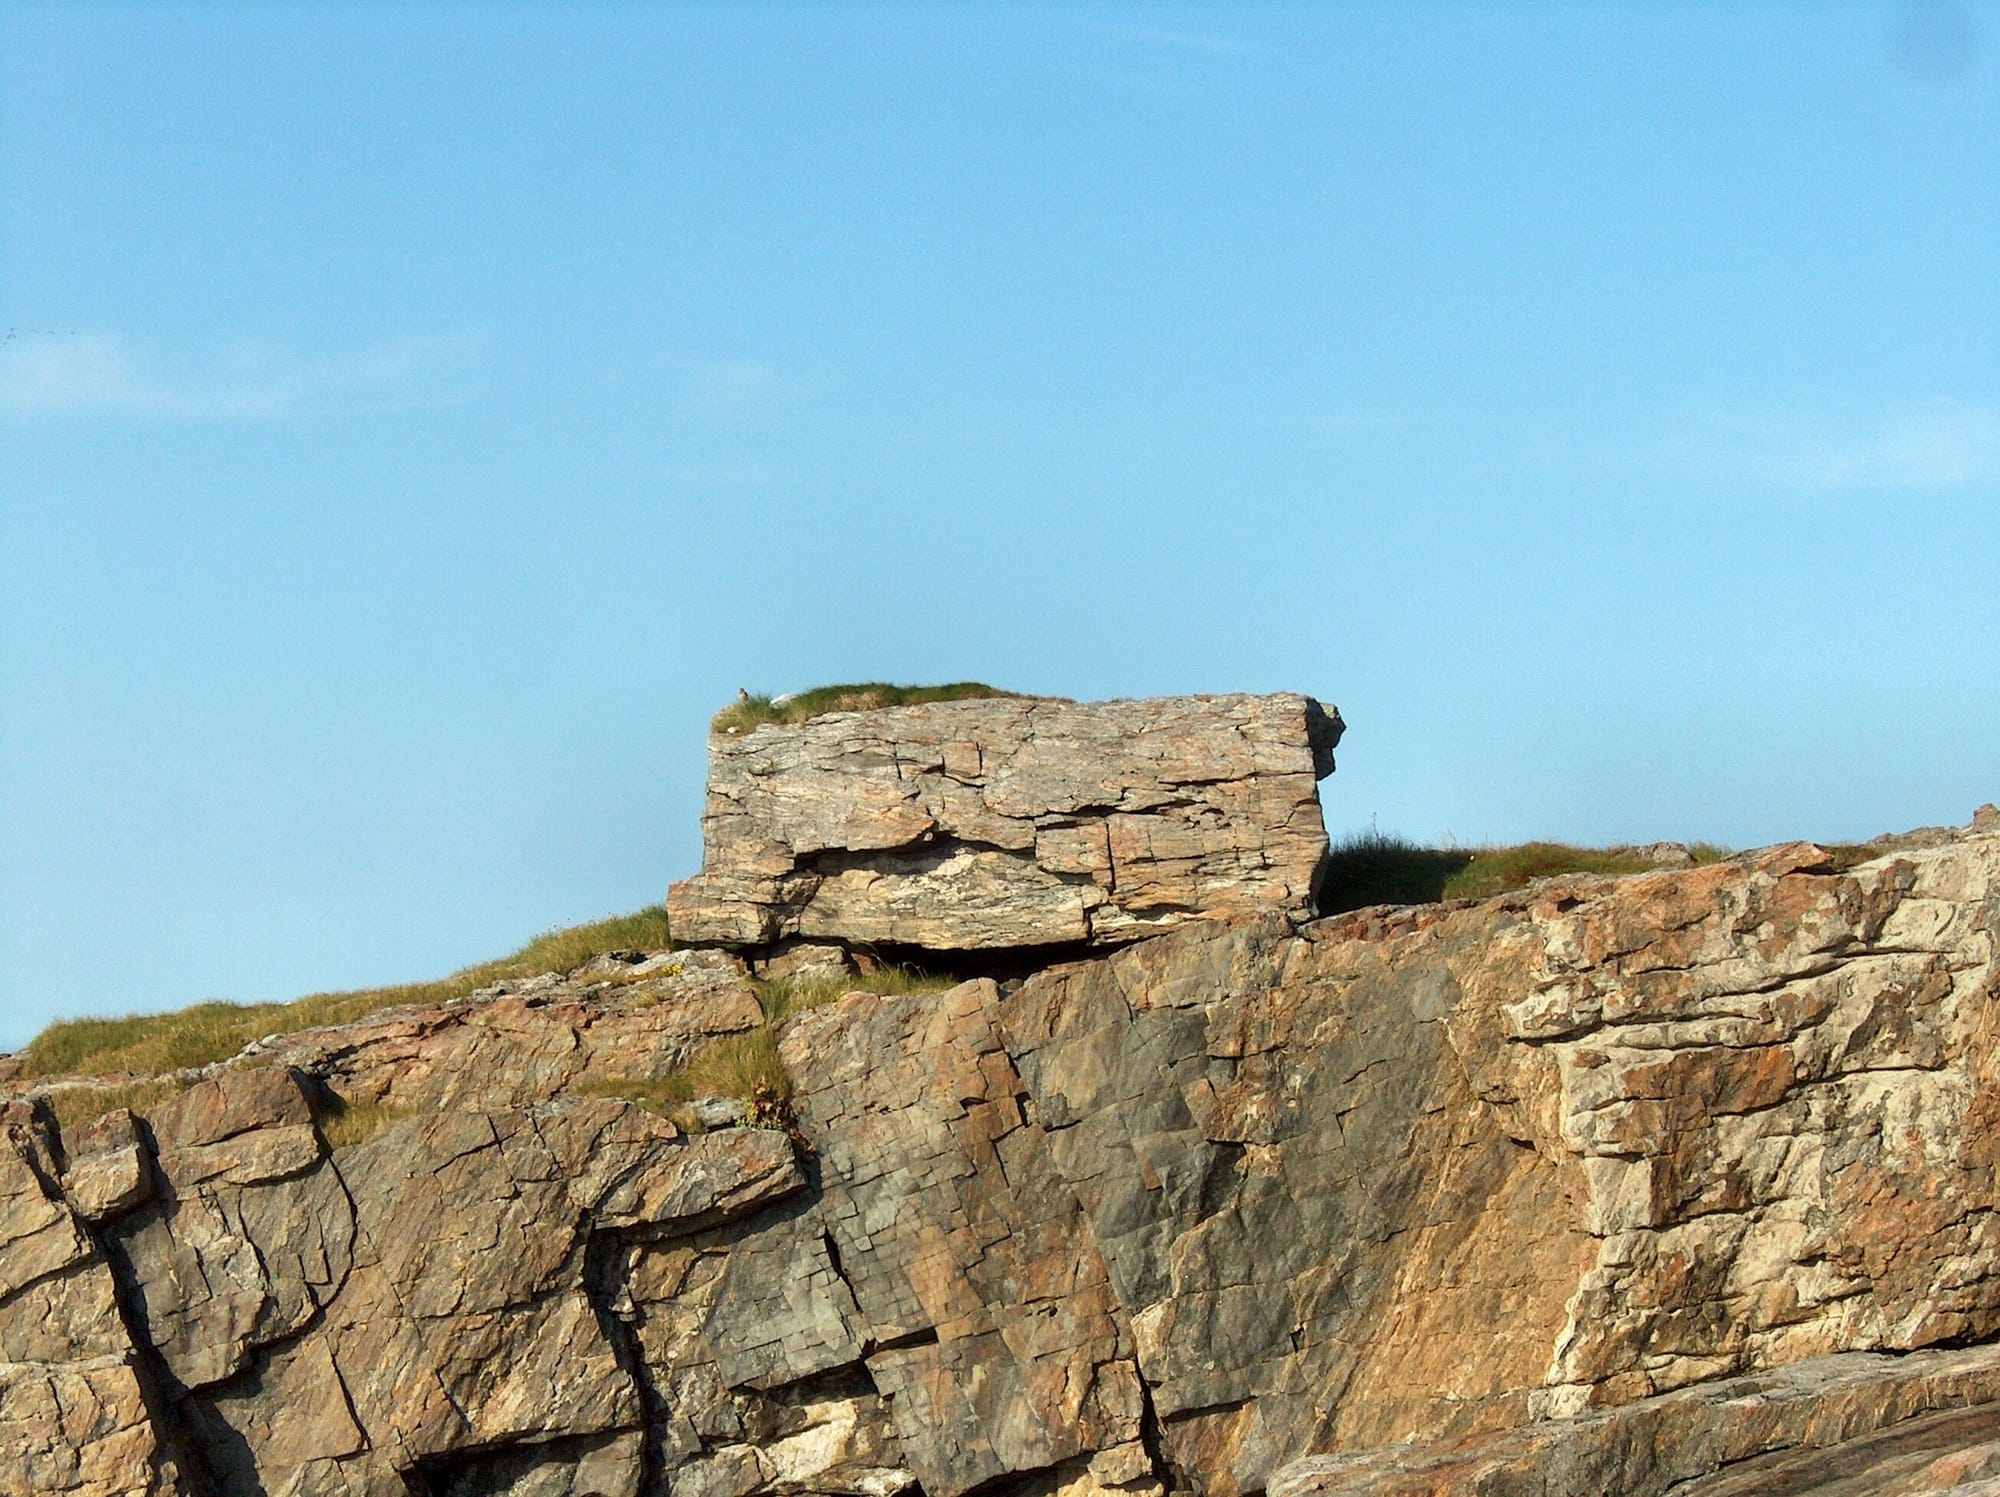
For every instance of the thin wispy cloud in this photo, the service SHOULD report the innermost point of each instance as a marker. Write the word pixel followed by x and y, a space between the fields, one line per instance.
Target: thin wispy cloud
pixel 724 389
pixel 1941 444
pixel 1941 447
pixel 98 373
pixel 1191 41
pixel 747 475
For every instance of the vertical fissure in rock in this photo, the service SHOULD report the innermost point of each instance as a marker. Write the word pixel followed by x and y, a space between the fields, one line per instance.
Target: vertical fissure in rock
pixel 604 1256
pixel 1153 1438
pixel 833 1258
pixel 159 1390
pixel 1221 1178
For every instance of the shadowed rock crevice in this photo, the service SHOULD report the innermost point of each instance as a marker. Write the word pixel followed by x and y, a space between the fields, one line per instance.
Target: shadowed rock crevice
pixel 1169 1477
pixel 200 1465
pixel 187 1462
pixel 604 1286
pixel 578 1466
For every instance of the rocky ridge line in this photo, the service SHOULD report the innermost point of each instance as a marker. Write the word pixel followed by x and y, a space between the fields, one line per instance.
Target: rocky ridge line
pixel 1491 1198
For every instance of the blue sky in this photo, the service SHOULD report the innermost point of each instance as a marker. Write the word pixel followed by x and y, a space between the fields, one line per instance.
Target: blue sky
pixel 418 419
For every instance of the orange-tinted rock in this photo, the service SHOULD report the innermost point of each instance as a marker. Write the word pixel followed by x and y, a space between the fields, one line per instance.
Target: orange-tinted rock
pixel 1679 1180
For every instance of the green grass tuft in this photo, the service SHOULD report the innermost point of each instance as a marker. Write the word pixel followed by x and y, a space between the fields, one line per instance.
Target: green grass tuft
pixel 1373 868
pixel 1376 868
pixel 783 998
pixel 149 1044
pixel 665 1096
pixel 756 710
pixel 743 1066
pixel 1501 870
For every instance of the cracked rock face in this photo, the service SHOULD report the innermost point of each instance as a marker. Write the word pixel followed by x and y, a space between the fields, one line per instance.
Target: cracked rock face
pixel 1678 1181
pixel 991 824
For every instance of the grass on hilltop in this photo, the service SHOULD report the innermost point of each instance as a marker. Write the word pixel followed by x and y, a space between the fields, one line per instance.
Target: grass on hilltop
pixel 150 1044
pixel 74 1106
pixel 754 710
pixel 1374 868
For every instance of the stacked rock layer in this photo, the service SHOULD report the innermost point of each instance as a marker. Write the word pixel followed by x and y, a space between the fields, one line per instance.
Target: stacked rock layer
pixel 1010 822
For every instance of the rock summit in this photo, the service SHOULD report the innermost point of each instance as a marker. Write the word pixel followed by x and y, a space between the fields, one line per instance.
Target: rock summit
pixel 1011 822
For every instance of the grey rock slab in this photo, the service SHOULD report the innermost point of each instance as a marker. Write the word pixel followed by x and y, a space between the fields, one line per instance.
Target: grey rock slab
pixel 628 1168
pixel 971 1260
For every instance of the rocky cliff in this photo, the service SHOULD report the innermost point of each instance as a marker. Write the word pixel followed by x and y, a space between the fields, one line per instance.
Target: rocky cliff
pixel 1683 1180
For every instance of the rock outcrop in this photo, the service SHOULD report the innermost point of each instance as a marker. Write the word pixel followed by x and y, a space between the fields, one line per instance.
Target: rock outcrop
pixel 1683 1180
pixel 1010 822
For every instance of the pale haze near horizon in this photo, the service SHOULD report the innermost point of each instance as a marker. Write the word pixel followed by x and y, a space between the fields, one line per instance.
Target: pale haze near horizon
pixel 416 420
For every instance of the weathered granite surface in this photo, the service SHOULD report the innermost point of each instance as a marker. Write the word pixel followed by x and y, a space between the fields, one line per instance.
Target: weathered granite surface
pixel 1682 1180
pixel 532 1040
pixel 1010 822
pixel 1857 1424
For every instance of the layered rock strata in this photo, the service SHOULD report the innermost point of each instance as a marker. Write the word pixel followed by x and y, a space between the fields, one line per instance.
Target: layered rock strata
pixel 1682 1180
pixel 1857 1424
pixel 1010 822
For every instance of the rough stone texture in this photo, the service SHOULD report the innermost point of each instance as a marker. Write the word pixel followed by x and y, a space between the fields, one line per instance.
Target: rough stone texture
pixel 1638 1133
pixel 980 825
pixel 1683 1180
pixel 969 1256
pixel 73 1415
pixel 1855 1425
pixel 526 1042
pixel 421 1302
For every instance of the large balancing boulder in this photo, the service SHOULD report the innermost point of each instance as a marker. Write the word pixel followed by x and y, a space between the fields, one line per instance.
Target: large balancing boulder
pixel 1010 822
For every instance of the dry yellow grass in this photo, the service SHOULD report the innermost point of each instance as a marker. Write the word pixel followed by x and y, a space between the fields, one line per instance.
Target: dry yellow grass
pixel 1374 868
pixel 150 1044
pixel 74 1106
pixel 346 1125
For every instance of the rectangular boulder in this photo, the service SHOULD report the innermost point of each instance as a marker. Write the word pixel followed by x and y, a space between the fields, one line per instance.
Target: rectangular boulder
pixel 997 823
